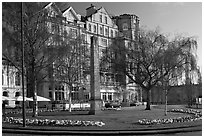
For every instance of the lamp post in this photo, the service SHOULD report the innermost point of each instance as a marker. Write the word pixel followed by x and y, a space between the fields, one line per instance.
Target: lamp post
pixel 22 44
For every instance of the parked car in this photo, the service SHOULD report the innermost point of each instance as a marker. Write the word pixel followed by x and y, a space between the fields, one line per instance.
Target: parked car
pixel 135 104
pixel 113 104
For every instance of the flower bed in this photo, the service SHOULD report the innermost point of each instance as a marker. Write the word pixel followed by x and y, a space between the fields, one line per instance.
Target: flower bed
pixel 48 122
pixel 41 110
pixel 195 115
pixel 117 109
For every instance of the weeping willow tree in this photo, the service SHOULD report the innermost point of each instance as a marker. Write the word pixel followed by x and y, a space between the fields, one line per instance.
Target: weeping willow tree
pixel 151 59
pixel 180 46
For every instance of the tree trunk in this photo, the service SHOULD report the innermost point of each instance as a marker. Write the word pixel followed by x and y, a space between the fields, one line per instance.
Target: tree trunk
pixel 166 92
pixel 148 100
pixel 35 102
pixel 70 100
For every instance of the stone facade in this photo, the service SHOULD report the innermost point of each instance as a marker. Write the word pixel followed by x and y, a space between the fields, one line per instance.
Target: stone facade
pixel 98 23
pixel 11 83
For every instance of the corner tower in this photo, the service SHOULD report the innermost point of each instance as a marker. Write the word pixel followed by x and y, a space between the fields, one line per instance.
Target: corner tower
pixel 128 25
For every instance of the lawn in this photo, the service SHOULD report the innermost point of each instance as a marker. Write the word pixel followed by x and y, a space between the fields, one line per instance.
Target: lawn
pixel 123 119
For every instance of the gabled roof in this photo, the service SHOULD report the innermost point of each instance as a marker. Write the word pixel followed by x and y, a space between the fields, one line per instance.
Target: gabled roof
pixel 54 6
pixel 98 10
pixel 66 9
pixel 105 11
pixel 72 11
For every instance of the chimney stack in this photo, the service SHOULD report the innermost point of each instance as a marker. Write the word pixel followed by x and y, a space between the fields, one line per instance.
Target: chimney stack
pixel 90 10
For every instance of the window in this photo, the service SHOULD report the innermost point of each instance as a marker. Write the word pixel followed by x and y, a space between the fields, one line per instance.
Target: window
pixel 59 92
pixel 104 41
pixel 94 28
pixel 101 19
pixel 2 79
pixel 104 97
pixel 17 79
pixel 11 79
pixel 59 95
pixel 101 30
pixel 50 94
pixel 17 103
pixel 106 20
pixel 52 27
pixel 116 33
pixel 111 33
pixel 125 26
pixel 110 97
pixel 75 96
pixel 73 33
pixel 106 31
pixel 5 93
pixel 62 88
pixel 17 94
pixel 86 96
pixel 83 37
pixel 59 87
pixel 76 88
pixel 129 45
pixel 90 27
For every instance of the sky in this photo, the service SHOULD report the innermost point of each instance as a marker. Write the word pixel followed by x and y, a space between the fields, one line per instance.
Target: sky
pixel 172 18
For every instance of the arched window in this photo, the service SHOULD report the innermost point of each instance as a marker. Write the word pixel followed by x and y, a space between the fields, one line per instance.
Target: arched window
pixel 17 79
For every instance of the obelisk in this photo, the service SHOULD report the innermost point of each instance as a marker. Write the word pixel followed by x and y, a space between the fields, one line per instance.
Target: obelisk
pixel 95 100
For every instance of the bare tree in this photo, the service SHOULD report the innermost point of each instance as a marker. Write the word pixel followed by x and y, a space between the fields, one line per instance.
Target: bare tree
pixel 69 67
pixel 39 42
pixel 151 59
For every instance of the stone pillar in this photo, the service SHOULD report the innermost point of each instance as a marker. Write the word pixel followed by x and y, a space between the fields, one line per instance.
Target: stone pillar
pixel 95 100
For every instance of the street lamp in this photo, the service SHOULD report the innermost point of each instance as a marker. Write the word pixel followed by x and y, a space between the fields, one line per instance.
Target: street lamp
pixel 22 44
